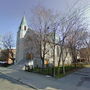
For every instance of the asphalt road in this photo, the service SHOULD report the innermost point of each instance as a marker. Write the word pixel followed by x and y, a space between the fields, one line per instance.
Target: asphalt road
pixel 7 83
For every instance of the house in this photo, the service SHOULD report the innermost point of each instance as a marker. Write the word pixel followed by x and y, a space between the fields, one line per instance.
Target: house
pixel 8 55
pixel 85 54
pixel 28 49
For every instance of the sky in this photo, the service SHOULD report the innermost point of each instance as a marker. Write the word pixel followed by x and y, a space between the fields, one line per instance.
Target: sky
pixel 12 11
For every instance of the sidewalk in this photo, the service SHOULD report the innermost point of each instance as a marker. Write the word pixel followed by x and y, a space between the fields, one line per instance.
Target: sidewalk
pixel 38 81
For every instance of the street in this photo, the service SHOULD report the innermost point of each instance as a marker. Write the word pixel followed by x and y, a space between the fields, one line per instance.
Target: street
pixel 7 83
pixel 14 79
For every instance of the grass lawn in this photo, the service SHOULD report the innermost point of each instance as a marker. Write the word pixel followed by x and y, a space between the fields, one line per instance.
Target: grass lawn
pixel 68 69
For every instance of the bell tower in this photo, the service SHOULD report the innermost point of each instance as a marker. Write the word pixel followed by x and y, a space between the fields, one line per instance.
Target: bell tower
pixel 23 27
pixel 20 42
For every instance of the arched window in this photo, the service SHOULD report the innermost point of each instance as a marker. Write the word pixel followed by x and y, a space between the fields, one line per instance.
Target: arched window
pixel 24 27
pixel 20 27
pixel 29 56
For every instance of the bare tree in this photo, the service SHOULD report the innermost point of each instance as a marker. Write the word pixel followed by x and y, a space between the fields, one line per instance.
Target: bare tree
pixel 76 37
pixel 8 44
pixel 54 27
pixel 71 29
pixel 71 26
pixel 44 19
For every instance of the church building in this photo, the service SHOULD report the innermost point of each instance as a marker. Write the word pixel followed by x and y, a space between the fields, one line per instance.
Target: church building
pixel 28 50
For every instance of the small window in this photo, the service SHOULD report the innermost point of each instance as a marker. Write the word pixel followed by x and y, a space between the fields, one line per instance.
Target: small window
pixel 20 27
pixel 24 27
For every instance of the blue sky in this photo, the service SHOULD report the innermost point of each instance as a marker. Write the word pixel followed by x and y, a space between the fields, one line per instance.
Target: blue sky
pixel 11 11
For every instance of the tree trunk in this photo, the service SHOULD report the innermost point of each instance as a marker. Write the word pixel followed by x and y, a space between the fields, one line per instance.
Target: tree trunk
pixel 59 61
pixel 54 61
pixel 63 67
pixel 60 55
pixel 42 63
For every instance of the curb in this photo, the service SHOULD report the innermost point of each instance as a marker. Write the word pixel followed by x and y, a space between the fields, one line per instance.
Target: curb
pixel 80 73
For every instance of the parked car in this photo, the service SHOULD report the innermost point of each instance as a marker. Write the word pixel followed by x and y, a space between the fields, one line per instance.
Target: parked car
pixel 29 66
pixel 3 63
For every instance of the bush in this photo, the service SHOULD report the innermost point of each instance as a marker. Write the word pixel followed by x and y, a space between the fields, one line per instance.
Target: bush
pixel 49 70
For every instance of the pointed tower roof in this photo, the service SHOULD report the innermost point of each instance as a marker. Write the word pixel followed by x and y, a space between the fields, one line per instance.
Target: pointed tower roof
pixel 23 22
